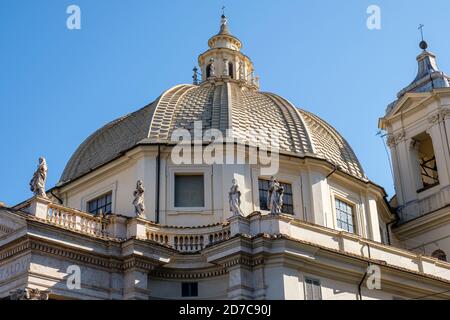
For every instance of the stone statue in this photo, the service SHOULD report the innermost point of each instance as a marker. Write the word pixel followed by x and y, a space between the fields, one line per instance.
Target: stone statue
pixel 241 71
pixel 212 68
pixel 226 67
pixel 195 76
pixel 275 197
pixel 235 199
pixel 29 294
pixel 139 199
pixel 37 184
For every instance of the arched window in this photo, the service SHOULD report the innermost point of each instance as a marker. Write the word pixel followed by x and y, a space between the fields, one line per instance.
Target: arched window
pixel 425 161
pixel 230 70
pixel 208 71
pixel 440 255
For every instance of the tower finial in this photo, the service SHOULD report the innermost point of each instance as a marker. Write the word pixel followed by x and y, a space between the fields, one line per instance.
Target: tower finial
pixel 224 23
pixel 423 44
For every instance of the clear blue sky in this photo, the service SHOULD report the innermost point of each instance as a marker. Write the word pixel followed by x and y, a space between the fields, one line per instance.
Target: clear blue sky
pixel 58 86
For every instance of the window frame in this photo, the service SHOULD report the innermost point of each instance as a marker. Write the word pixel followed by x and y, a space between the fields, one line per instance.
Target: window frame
pixel 293 179
pixel 189 285
pixel 208 70
pixel 204 170
pixel 231 69
pixel 103 196
pixel 313 281
pixel 99 193
pixel 354 207
pixel 439 255
pixel 190 174
pixel 413 160
pixel 291 205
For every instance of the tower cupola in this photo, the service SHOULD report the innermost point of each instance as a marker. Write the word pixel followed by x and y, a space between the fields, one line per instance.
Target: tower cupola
pixel 224 61
pixel 428 76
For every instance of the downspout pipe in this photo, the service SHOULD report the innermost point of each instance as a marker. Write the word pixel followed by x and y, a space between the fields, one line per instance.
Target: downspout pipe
pixel 388 232
pixel 365 274
pixel 332 172
pixel 158 183
pixel 58 198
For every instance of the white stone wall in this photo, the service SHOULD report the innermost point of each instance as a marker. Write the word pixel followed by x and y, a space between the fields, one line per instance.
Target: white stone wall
pixel 287 283
pixel 212 288
pixel 313 193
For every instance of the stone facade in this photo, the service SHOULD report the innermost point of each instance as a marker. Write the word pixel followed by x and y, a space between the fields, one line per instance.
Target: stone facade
pixel 255 257
pixel 96 236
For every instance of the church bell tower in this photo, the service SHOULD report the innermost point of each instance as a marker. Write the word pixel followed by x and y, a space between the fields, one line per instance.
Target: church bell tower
pixel 418 136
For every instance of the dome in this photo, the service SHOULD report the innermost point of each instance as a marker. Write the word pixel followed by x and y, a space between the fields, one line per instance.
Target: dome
pixel 219 105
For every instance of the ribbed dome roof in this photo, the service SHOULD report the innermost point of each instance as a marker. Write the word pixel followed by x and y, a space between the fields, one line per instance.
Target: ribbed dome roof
pixel 219 106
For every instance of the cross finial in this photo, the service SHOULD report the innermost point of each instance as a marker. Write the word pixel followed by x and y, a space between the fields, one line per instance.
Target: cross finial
pixel 423 44
pixel 223 10
pixel 421 30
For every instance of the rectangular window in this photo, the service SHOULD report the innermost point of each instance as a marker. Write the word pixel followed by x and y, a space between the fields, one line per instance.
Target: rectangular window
pixel 189 289
pixel 189 191
pixel 344 216
pixel 313 290
pixel 101 205
pixel 288 200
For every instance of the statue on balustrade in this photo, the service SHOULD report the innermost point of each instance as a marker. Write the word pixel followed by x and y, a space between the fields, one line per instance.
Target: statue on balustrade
pixel 235 199
pixel 37 184
pixel 139 199
pixel 275 197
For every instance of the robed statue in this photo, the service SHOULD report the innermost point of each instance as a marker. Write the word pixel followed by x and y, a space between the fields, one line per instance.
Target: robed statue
pixel 37 184
pixel 235 199
pixel 275 197
pixel 138 201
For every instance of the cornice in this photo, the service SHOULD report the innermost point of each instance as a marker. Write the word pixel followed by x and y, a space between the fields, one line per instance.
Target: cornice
pixel 180 274
pixel 5 229
pixel 138 263
pixel 377 262
pixel 419 100
pixel 245 260
pixel 14 250
pixel 100 261
pixel 442 114
pixel 423 224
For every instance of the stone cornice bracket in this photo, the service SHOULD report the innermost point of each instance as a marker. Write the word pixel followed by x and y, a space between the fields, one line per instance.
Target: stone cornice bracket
pixel 250 262
pixel 391 141
pixel 15 250
pixel 134 263
pixel 435 118
pixel 394 139
pixel 441 115
pixel 413 144
pixel 166 274
pixel 243 259
pixel 445 113
pixel 29 294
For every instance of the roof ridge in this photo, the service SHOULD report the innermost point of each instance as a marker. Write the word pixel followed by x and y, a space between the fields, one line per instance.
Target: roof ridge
pixel 291 111
pixel 164 100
